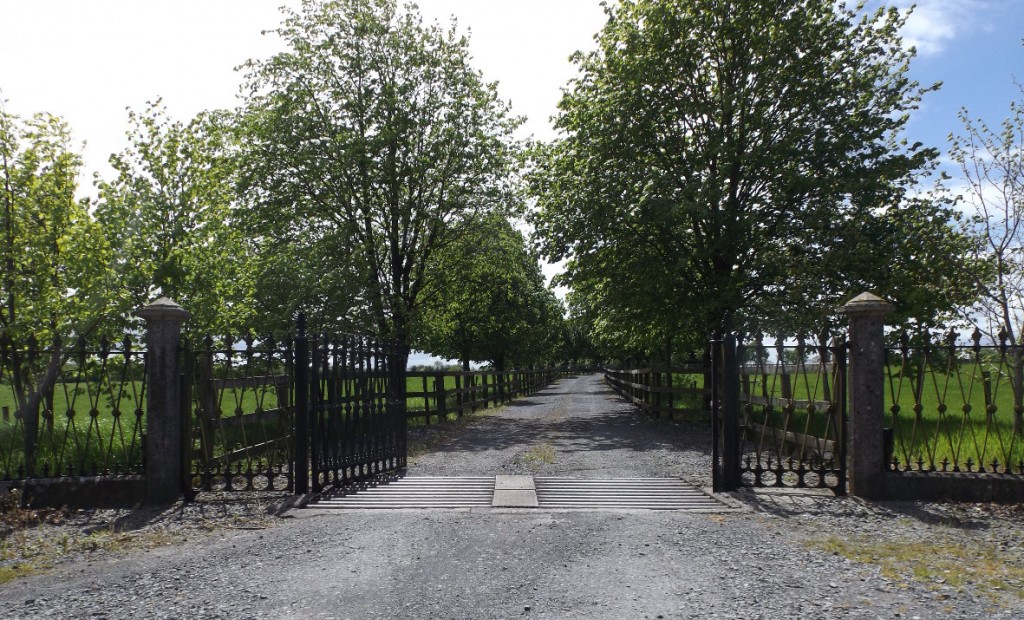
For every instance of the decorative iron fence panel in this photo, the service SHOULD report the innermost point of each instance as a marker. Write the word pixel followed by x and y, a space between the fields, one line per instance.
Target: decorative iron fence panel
pixel 241 398
pixel 789 405
pixel 955 408
pixel 71 410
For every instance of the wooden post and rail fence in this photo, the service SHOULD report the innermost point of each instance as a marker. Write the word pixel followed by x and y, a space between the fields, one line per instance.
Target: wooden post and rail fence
pixel 436 394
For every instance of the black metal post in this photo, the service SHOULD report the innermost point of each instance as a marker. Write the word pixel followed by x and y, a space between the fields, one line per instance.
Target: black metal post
pixel 316 415
pixel 840 395
pixel 730 414
pixel 716 412
pixel 301 465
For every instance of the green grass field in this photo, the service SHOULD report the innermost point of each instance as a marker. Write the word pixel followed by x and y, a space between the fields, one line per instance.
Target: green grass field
pixel 952 417
pixel 954 413
pixel 86 427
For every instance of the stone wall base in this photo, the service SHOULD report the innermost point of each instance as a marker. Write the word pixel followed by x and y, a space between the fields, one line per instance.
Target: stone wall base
pixel 952 487
pixel 80 492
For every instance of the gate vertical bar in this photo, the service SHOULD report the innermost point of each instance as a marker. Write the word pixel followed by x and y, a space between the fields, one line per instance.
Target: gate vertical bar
pixel 317 413
pixel 187 438
pixel 839 391
pixel 730 414
pixel 301 463
pixel 716 411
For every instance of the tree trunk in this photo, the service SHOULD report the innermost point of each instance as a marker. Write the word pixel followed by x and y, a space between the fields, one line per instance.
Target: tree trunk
pixel 1017 358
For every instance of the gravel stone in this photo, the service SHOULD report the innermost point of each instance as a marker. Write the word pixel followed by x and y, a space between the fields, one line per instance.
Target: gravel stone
pixel 498 563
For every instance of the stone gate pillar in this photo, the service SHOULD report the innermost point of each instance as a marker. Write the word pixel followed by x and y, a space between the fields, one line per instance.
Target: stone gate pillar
pixel 866 392
pixel 164 424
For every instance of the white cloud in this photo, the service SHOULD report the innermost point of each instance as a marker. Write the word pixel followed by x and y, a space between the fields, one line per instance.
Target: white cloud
pixel 934 23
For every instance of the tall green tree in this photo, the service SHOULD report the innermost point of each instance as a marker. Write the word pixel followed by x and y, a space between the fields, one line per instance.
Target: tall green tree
pixel 53 255
pixel 54 282
pixel 169 212
pixel 371 143
pixel 715 153
pixel 490 301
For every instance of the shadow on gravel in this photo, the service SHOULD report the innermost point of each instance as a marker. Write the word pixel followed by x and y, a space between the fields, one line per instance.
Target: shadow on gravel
pixel 620 430
pixel 886 514
pixel 950 515
pixel 522 402
pixel 205 510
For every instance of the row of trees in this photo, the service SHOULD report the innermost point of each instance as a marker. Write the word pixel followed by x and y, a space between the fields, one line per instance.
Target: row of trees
pixel 369 179
pixel 722 165
pixel 742 165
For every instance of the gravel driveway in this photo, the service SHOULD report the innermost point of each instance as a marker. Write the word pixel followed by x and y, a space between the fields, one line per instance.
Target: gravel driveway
pixel 577 427
pixel 787 556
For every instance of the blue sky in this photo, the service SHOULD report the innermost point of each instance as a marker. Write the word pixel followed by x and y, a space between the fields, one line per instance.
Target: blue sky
pixel 974 47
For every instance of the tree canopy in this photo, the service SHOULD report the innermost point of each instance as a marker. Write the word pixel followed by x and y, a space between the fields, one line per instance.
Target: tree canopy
pixel 55 259
pixel 991 159
pixel 372 143
pixel 169 212
pixel 490 301
pixel 714 155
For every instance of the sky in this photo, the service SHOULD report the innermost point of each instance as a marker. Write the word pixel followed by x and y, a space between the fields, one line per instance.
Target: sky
pixel 89 60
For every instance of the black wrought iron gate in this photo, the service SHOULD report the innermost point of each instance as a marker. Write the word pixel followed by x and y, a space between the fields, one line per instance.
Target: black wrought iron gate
pixel 778 413
pixel 350 422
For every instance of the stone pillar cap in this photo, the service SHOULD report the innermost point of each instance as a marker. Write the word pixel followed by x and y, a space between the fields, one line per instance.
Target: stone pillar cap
pixel 866 303
pixel 164 309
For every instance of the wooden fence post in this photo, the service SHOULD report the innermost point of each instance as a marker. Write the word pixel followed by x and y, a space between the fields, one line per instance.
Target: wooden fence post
pixel 866 393
pixel 458 393
pixel 165 427
pixel 442 397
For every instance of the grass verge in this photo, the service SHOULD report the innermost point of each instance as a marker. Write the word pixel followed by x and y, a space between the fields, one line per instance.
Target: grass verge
pixel 34 541
pixel 940 562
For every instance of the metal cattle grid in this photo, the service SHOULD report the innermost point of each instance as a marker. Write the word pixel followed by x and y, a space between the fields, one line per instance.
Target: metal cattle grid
pixel 551 493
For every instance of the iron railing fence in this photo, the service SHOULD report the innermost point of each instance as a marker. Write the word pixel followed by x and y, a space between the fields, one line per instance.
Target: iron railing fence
pixel 777 410
pixel 792 412
pixel 239 391
pixel 71 409
pixel 953 407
